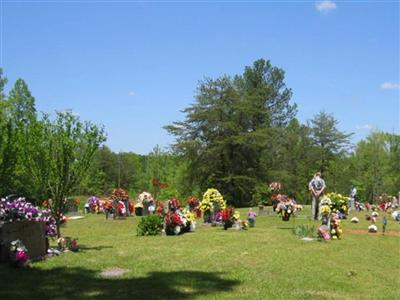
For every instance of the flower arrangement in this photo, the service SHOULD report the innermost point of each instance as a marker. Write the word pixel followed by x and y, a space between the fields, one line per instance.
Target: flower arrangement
pixel 94 204
pixel 286 208
pixel 19 254
pixel 330 228
pixel 245 224
pixel 194 204
pixel 336 230
pixel 160 209
pixel 205 206
pixel 174 223
pixel 19 210
pixel 229 217
pixel 251 218
pixel 121 208
pixel 210 197
pixel 212 202
pixel 190 218
pixel 275 186
pixel 338 204
pixel 325 210
pixel 173 204
pixel 119 194
pixel 67 243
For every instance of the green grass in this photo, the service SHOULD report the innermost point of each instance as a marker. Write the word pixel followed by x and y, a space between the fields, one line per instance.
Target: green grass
pixel 265 262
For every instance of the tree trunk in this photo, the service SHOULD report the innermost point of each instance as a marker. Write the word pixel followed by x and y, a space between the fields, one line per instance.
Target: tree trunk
pixel 58 225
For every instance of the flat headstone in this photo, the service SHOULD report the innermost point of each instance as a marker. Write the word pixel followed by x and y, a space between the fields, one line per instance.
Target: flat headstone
pixel 113 272
pixel 75 217
pixel 307 239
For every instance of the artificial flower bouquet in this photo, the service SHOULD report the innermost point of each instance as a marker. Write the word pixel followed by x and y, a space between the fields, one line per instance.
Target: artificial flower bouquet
pixel 275 186
pixel 336 230
pixel 212 199
pixel 325 210
pixel 191 219
pixel 338 204
pixel 18 254
pixel 229 217
pixel 174 222
pixel 194 205
pixel 160 209
pixel 173 204
pixel 93 204
pixel 286 209
pixel 245 224
pixel 67 243
pixel 251 218
pixel 19 210
pixel 119 194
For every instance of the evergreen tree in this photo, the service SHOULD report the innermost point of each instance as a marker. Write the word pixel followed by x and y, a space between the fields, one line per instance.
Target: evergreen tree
pixel 225 132
pixel 328 138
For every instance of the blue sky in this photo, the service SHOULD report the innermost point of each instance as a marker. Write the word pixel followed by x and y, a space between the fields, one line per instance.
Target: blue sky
pixel 133 66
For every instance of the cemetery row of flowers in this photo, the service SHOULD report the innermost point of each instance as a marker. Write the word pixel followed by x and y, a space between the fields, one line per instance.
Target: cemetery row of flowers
pixel 174 220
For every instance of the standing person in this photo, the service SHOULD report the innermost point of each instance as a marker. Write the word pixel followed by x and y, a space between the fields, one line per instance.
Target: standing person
pixel 352 200
pixel 316 187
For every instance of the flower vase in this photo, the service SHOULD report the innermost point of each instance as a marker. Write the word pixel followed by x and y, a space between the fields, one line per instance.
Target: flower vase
pixel 227 224
pixel 285 217
pixel 237 225
pixel 252 222
pixel 207 216
pixel 177 229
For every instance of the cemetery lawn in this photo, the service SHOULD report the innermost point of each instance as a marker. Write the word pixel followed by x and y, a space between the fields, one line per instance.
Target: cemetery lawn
pixel 266 262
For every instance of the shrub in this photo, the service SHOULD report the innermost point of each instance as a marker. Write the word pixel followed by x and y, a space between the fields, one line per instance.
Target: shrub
pixel 149 225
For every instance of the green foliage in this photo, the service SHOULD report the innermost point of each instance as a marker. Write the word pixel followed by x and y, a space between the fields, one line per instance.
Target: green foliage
pixel 303 230
pixel 224 134
pixel 59 154
pixel 240 135
pixel 377 165
pixel 328 138
pixel 149 225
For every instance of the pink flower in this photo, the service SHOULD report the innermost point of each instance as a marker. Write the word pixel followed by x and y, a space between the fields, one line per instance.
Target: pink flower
pixel 22 256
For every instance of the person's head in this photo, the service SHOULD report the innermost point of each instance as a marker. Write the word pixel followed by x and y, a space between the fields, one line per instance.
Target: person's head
pixel 318 174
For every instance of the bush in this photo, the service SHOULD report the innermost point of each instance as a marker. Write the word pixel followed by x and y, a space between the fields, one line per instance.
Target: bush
pixel 150 225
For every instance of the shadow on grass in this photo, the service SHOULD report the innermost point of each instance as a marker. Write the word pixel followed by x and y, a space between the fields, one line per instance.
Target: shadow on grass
pixel 84 248
pixel 80 283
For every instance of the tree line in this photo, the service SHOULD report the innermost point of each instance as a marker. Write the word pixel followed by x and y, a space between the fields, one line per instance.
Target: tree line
pixel 240 134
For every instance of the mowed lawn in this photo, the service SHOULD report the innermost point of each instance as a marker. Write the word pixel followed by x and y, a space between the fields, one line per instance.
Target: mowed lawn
pixel 266 262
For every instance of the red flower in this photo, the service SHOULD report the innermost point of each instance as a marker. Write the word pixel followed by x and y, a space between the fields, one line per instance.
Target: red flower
pixel 174 203
pixel 160 208
pixel 173 219
pixel 227 214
